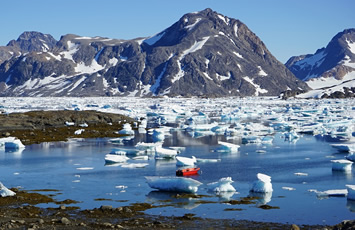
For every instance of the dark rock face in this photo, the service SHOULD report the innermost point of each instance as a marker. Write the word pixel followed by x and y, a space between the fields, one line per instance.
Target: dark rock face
pixel 202 54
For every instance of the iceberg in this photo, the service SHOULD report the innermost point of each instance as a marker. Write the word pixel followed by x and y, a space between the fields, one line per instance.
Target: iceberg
pixel 223 185
pixel 127 129
pixel 262 185
pixel 345 147
pixel 14 144
pixel 229 146
pixel 341 165
pixel 329 193
pixel 161 152
pixel 351 191
pixel 173 184
pixel 185 161
pixel 114 158
pixel 6 139
pixel 5 191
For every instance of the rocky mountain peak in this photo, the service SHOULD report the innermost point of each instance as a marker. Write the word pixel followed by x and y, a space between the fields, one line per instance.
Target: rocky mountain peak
pixel 33 41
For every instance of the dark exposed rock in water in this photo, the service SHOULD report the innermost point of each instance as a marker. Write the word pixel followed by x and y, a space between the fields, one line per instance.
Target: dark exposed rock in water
pixel 45 126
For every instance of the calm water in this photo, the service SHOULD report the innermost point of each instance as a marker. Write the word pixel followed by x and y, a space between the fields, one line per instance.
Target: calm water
pixel 77 169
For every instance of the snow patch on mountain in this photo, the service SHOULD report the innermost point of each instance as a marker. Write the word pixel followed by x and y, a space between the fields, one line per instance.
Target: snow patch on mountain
pixel 351 46
pixel 257 87
pixel 328 86
pixel 72 49
pixel 347 62
pixel 152 40
pixel 82 68
pixel 262 72
pixel 190 27
pixel 195 47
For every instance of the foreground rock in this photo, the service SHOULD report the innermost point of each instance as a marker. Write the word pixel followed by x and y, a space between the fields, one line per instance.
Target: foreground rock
pixel 45 126
pixel 19 212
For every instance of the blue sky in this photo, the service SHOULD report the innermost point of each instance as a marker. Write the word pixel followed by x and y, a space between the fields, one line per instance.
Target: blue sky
pixel 287 27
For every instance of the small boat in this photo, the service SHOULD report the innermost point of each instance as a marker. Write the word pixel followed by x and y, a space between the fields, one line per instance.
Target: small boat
pixel 187 171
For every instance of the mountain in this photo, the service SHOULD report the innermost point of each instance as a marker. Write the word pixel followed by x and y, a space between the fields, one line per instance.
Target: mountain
pixel 202 54
pixel 330 71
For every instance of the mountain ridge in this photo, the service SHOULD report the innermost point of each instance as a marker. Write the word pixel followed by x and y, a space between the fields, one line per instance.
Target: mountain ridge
pixel 331 69
pixel 202 54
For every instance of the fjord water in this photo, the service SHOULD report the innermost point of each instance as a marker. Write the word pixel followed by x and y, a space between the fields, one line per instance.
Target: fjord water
pixel 76 170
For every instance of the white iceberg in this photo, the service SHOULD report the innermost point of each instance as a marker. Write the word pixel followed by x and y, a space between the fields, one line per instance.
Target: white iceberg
pixel 223 185
pixel 351 191
pixel 345 147
pixel 229 146
pixel 263 184
pixel 331 192
pixel 185 161
pixel 161 152
pixel 5 191
pixel 127 129
pixel 114 158
pixel 173 184
pixel 341 165
pixel 14 144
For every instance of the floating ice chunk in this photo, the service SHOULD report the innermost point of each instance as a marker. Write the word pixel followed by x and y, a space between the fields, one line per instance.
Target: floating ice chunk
pixel 173 184
pixel 161 152
pixel 115 158
pixel 127 130
pixel 5 191
pixel 351 191
pixel 351 157
pixel 288 188
pixel 144 158
pixel 263 184
pixel 79 131
pixel 229 146
pixel 121 186
pixel 185 161
pixel 14 144
pixel 134 165
pixel 341 165
pixel 6 139
pixel 85 168
pixel 345 147
pixel 158 135
pixel 301 174
pixel 204 160
pixel 223 185
pixel 328 193
pixel 149 147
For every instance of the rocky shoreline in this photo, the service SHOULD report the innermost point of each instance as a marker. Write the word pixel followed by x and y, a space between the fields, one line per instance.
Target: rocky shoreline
pixel 20 211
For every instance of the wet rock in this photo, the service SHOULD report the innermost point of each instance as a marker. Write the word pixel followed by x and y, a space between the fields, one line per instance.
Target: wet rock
pixel 106 208
pixel 62 207
pixel 65 221
pixel 295 227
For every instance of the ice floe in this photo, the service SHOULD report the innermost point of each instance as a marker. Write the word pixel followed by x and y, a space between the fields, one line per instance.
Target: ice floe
pixel 173 184
pixel 262 184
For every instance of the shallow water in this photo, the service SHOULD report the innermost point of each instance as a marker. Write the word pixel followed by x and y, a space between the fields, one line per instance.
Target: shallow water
pixel 77 169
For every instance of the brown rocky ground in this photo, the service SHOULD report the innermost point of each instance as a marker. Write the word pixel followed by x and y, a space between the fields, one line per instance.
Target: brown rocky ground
pixel 46 126
pixel 20 212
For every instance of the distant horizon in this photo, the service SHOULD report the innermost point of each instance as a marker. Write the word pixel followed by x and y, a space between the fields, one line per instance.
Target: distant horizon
pixel 287 29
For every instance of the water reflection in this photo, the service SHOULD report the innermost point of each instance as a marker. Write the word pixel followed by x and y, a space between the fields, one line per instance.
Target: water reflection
pixel 350 204
pixel 261 198
pixel 175 199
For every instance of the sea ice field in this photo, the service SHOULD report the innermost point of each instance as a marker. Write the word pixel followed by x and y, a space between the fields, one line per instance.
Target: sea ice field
pixel 289 157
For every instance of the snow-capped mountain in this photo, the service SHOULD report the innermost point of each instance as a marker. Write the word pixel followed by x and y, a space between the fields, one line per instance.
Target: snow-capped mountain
pixel 331 70
pixel 204 53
